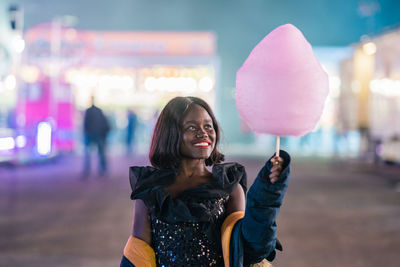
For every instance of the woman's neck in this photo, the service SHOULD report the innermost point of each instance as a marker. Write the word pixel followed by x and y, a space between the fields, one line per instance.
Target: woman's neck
pixel 191 173
pixel 192 167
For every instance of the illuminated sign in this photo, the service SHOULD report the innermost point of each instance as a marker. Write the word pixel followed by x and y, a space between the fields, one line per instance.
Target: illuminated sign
pixel 89 43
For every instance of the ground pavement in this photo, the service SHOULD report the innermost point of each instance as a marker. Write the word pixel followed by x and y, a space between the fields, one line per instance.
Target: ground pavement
pixel 336 213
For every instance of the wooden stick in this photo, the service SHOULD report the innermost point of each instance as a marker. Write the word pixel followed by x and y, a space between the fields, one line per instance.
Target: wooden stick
pixel 278 139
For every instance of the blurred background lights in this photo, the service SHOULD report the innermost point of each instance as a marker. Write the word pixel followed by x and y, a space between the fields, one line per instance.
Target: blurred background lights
pixel 29 74
pixel 18 44
pixel 93 79
pixel 170 84
pixel 7 143
pixel 20 141
pixel 190 85
pixel 334 86
pixel 150 84
pixel 127 81
pixel 206 84
pixel 386 87
pixel 369 48
pixel 355 86
pixel 71 34
pixel 10 82
pixel 43 138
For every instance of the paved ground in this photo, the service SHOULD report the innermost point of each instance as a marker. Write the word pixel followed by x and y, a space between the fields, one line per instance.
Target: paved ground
pixel 336 213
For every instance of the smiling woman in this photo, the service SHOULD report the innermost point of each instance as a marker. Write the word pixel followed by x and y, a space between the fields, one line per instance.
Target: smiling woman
pixel 178 120
pixel 187 215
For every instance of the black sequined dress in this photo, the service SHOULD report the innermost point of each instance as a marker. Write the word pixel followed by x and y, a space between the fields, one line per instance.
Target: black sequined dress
pixel 186 228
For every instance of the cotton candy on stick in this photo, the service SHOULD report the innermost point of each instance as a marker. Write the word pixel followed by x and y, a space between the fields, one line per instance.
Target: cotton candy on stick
pixel 281 87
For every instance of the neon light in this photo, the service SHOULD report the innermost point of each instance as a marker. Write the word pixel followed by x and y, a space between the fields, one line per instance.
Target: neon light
pixel 150 84
pixel 43 138
pixel 10 82
pixel 171 84
pixel 19 44
pixel 369 48
pixel 385 87
pixel 7 143
pixel 20 141
pixel 206 84
pixel 29 74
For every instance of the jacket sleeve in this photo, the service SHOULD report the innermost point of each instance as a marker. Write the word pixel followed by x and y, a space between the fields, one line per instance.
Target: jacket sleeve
pixel 125 262
pixel 138 253
pixel 254 237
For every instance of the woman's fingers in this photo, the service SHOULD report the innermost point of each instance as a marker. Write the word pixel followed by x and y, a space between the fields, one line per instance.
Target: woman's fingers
pixel 274 175
pixel 273 180
pixel 277 160
pixel 275 172
pixel 276 169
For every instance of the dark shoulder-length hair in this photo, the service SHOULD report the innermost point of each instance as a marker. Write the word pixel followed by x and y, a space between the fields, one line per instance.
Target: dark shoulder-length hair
pixel 166 140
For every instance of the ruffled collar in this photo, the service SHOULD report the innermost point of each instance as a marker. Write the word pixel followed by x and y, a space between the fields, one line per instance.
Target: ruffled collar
pixel 149 184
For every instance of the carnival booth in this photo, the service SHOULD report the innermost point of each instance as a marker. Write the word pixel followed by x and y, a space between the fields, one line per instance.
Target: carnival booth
pixel 372 95
pixel 124 71
pixel 384 90
pixel 11 47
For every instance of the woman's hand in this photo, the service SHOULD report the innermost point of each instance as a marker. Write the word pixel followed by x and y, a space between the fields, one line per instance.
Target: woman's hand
pixel 276 169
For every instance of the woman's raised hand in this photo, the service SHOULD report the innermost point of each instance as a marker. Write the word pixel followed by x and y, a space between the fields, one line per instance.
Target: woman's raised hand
pixel 276 169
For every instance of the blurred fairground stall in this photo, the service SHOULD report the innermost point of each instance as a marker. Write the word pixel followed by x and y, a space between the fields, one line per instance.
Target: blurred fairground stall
pixel 12 46
pixel 364 104
pixel 374 71
pixel 61 68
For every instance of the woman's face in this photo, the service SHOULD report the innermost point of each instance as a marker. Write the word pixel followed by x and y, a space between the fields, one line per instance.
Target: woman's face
pixel 198 134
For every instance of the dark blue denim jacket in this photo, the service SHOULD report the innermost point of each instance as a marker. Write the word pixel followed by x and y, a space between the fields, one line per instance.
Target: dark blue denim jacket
pixel 254 237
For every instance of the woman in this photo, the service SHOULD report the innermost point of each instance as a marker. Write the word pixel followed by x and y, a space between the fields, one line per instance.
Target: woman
pixel 187 215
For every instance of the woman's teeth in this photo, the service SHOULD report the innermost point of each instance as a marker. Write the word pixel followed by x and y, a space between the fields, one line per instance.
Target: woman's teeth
pixel 201 144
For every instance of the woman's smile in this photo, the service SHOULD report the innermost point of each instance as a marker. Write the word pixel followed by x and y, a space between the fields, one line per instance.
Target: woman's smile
pixel 202 144
pixel 198 134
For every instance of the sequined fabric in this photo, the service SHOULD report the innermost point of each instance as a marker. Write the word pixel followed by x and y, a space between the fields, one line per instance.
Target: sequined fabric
pixel 185 243
pixel 187 228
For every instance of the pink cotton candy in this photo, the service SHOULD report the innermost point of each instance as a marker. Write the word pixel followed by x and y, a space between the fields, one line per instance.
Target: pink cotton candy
pixel 281 87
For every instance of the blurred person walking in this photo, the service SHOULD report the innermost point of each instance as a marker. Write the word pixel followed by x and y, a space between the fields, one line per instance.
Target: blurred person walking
pixel 96 129
pixel 130 132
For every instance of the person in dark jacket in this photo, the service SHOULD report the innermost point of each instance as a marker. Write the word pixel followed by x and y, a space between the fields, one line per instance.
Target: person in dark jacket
pixel 130 132
pixel 96 128
pixel 188 215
